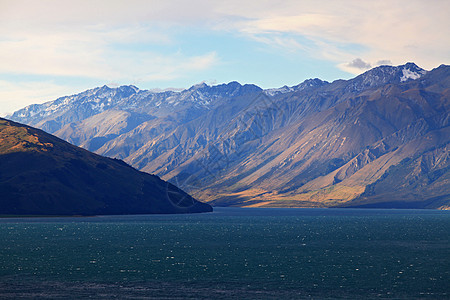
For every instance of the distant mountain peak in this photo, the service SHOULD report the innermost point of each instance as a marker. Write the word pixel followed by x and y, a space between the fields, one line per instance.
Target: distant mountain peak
pixel 384 75
pixel 308 83
pixel 411 71
pixel 312 82
pixel 127 89
pixel 200 85
pixel 411 65
pixel 396 73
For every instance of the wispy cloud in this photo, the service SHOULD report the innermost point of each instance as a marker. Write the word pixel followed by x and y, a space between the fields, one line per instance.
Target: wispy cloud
pixel 174 66
pixel 417 31
pixel 95 54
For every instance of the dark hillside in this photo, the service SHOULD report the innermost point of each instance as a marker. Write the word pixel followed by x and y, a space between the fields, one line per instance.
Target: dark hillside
pixel 43 175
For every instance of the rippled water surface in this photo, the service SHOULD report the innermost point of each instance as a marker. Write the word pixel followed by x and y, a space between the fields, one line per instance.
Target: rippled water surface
pixel 229 254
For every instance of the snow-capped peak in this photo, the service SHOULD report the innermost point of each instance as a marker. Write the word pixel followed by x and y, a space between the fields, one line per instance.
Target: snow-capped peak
pixel 276 91
pixel 286 89
pixel 385 74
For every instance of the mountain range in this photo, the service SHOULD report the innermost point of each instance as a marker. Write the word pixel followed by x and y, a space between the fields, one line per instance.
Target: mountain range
pixel 41 174
pixel 380 139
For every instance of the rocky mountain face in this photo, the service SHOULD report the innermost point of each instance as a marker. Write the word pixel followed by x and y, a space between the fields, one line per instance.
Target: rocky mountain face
pixel 43 175
pixel 377 140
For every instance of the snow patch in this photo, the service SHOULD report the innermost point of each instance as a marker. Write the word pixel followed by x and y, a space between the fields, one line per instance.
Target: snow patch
pixel 275 91
pixel 409 74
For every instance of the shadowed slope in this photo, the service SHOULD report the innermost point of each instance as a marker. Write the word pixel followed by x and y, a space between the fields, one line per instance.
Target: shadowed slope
pixel 43 175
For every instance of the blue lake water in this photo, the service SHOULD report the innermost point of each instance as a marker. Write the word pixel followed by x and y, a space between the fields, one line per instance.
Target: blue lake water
pixel 232 253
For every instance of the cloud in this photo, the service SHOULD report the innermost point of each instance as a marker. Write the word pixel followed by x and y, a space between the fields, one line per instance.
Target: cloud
pixel 105 40
pixel 332 30
pixel 49 53
pixel 281 42
pixel 340 30
pixel 357 66
pixel 175 66
pixel 97 53
pixel 358 63
pixel 384 62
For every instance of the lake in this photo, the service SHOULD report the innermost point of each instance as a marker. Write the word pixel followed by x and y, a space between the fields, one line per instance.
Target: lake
pixel 232 253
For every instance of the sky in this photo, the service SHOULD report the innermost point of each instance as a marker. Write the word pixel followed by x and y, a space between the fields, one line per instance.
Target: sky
pixel 54 48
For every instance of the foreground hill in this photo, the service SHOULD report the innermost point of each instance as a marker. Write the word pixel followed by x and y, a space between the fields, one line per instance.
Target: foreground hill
pixel 377 140
pixel 43 175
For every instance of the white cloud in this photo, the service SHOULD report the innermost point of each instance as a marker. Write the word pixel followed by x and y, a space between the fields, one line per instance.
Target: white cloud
pixel 47 53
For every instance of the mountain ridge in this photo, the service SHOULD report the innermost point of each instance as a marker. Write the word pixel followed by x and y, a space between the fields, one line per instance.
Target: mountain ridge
pixel 314 144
